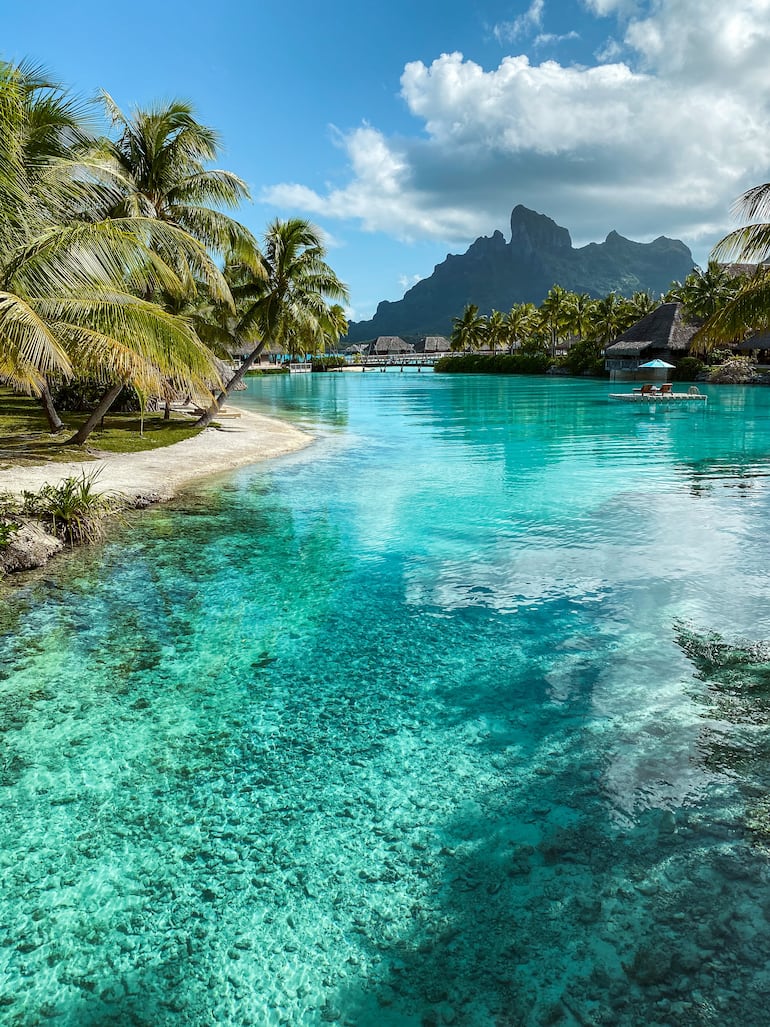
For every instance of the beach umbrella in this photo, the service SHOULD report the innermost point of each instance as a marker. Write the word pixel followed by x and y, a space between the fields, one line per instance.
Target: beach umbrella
pixel 656 363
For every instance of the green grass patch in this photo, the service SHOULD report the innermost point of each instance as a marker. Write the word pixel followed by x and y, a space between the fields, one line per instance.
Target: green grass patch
pixel 25 439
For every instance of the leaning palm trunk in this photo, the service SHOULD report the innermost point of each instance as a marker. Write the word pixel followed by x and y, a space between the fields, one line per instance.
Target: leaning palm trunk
pixel 205 419
pixel 55 422
pixel 102 407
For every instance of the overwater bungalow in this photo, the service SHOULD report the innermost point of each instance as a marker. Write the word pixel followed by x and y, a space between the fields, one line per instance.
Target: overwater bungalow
pixel 435 344
pixel 389 345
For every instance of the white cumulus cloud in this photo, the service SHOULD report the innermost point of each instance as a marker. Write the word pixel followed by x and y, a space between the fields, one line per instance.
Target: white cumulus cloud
pixel 551 38
pixel 532 18
pixel 658 136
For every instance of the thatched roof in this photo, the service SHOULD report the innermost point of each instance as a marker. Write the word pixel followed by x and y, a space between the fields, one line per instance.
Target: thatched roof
pixel 759 341
pixel 663 329
pixel 737 270
pixel 245 348
pixel 390 344
pixel 436 344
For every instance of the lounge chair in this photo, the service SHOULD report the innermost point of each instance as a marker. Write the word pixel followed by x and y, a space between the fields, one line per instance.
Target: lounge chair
pixel 647 389
pixel 665 389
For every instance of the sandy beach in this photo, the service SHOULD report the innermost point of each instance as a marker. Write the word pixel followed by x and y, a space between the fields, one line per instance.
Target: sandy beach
pixel 159 474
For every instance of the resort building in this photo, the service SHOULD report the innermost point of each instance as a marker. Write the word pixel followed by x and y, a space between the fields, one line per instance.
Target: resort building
pixel 434 344
pixel 663 334
pixel 389 345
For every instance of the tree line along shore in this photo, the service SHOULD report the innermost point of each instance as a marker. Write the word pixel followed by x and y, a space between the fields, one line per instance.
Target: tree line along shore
pixel 726 304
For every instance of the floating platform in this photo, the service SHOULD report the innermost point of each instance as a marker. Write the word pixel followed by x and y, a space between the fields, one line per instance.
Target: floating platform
pixel 659 397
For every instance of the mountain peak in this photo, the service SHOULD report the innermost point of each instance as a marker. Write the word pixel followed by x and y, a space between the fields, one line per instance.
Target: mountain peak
pixel 533 232
pixel 495 274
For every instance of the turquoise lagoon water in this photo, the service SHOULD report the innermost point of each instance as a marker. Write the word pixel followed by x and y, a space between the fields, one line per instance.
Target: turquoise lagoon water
pixel 402 730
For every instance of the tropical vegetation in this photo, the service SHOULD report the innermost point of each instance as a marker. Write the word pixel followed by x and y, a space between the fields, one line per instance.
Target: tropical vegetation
pixel 538 333
pixel 745 310
pixel 74 508
pixel 118 267
pixel 291 302
pixel 730 300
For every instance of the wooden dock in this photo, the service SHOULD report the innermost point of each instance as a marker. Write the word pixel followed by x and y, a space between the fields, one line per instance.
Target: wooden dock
pixel 659 397
pixel 382 363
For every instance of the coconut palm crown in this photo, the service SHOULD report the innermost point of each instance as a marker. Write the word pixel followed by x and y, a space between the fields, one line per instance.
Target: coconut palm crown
pixel 70 281
pixel 748 309
pixel 157 166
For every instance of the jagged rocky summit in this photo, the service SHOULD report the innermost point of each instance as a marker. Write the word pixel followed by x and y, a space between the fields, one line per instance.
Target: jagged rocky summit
pixel 495 274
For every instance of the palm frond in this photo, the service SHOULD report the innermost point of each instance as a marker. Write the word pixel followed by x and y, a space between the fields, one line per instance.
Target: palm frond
pixel 220 233
pixel 28 346
pixel 750 243
pixel 747 312
pixel 753 204
pixel 217 186
pixel 130 337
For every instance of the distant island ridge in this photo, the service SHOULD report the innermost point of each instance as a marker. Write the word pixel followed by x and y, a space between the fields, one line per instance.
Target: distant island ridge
pixel 495 274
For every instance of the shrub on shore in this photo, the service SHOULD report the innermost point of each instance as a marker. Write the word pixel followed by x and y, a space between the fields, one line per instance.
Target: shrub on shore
pixel 497 363
pixel 325 363
pixel 585 357
pixel 79 394
pixel 687 369
pixel 9 526
pixel 8 529
pixel 73 509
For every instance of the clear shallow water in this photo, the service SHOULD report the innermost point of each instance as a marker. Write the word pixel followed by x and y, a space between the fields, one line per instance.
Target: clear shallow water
pixel 397 731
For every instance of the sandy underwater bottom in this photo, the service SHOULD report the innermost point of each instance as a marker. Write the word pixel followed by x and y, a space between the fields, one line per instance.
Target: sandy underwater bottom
pixel 255 770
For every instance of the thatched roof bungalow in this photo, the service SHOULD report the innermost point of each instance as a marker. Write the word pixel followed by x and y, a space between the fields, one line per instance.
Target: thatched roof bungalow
pixel 760 341
pixel 662 334
pixel 435 344
pixel 386 345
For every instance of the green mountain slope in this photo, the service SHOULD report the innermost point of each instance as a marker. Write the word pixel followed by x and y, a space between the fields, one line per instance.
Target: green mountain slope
pixel 495 274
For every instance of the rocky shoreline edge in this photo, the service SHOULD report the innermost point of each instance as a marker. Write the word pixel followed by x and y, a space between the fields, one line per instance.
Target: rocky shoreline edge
pixel 32 545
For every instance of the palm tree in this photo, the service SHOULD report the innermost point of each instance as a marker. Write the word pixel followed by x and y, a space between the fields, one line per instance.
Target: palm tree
pixel 468 330
pixel 68 277
pixel 154 170
pixel 747 312
pixel 519 322
pixel 554 314
pixel 496 330
pixel 703 293
pixel 334 326
pixel 641 304
pixel 157 169
pixel 287 300
pixel 748 308
pixel 579 317
pixel 610 318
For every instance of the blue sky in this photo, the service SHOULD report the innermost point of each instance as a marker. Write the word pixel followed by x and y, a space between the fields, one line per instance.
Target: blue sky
pixel 406 130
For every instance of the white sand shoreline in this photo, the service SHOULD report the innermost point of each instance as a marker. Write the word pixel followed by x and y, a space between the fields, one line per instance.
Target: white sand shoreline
pixel 158 475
